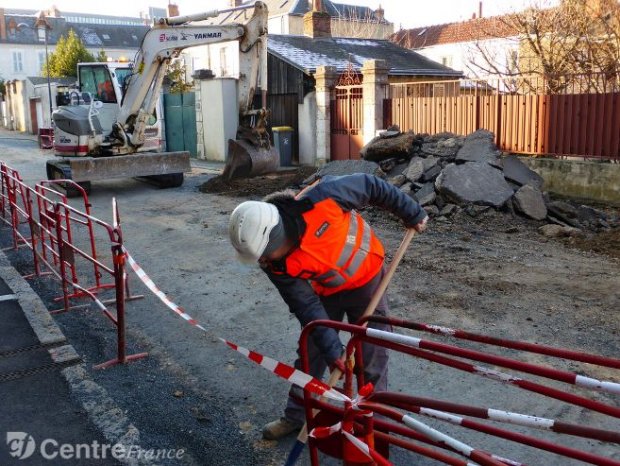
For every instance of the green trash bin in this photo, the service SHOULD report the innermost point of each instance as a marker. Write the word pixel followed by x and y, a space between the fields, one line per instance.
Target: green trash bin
pixel 283 142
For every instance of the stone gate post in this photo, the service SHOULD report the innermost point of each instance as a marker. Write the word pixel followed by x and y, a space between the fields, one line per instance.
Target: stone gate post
pixel 375 73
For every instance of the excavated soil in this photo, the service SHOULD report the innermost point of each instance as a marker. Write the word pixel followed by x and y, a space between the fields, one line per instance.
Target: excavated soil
pixel 258 186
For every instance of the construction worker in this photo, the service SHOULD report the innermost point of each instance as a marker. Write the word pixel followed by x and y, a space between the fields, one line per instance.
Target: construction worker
pixel 326 262
pixel 105 92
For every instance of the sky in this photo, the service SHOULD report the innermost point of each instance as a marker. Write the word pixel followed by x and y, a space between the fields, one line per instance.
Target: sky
pixel 403 13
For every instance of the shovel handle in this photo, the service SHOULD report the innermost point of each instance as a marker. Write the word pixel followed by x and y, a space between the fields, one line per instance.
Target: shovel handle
pixel 378 294
pixel 385 281
pixel 376 297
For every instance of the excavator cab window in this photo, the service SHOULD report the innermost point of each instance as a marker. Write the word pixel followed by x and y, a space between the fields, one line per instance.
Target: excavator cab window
pixel 97 81
pixel 122 77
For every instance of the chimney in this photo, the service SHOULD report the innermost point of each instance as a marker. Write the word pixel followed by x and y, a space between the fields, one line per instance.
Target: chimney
pixel 479 9
pixel 235 3
pixel 173 10
pixel 317 23
pixel 2 25
pixel 379 13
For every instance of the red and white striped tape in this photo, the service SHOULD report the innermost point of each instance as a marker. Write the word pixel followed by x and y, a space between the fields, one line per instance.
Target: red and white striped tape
pixel 160 294
pixel 297 377
pixel 369 452
pixel 324 432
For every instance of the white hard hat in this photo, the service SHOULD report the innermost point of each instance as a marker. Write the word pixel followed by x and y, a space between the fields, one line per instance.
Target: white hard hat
pixel 250 225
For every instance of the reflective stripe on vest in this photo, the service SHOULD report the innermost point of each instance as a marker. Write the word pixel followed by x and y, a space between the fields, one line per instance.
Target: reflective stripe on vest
pixel 333 278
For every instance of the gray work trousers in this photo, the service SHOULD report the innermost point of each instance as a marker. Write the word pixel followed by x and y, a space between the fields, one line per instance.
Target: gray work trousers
pixel 353 303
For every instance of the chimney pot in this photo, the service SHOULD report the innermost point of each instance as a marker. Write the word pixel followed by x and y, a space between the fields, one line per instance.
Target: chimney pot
pixel 380 13
pixel 2 25
pixel 173 10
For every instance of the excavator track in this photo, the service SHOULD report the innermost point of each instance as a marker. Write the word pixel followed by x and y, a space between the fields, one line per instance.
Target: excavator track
pixel 59 170
pixel 163 169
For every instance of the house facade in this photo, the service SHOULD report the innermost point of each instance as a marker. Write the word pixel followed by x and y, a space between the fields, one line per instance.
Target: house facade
pixel 26 39
pixel 467 46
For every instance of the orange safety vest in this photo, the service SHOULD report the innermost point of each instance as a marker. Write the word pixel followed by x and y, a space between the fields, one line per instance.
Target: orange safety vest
pixel 338 251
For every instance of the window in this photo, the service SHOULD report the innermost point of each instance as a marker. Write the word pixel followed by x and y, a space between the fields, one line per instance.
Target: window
pixel 41 56
pixel 18 63
pixel 41 33
pixel 97 81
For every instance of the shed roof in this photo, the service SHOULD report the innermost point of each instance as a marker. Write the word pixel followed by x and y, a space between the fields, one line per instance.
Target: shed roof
pixel 306 54
pixel 38 80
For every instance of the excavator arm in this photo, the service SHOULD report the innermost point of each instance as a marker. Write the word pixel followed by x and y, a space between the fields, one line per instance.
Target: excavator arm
pixel 166 40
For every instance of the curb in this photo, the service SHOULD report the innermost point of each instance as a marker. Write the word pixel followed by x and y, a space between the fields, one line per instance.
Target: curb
pixel 102 411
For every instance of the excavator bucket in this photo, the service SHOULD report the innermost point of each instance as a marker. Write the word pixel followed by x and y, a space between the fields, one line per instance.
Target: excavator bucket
pixel 246 160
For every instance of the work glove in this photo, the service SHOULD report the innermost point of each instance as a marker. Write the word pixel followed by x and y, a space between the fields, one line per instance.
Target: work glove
pixel 338 363
pixel 421 225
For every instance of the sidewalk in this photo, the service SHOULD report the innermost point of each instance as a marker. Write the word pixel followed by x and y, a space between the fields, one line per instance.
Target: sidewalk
pixel 37 412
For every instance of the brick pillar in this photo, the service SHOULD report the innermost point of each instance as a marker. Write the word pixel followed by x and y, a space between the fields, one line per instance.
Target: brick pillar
pixel 325 78
pixel 375 74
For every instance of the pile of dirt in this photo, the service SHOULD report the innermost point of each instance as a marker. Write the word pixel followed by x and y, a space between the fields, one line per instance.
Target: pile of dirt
pixel 605 242
pixel 258 186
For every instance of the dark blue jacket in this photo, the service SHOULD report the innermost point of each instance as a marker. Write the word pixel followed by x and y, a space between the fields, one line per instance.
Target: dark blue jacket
pixel 351 192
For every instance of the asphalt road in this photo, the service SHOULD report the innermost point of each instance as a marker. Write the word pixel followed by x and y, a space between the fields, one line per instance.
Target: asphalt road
pixel 194 392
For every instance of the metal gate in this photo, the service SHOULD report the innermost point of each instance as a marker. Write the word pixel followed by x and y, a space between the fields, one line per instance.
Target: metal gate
pixel 347 122
pixel 180 117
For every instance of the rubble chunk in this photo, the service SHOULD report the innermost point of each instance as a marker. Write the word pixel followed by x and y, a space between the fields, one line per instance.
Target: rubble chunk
pixel 558 231
pixel 477 150
pixel 474 182
pixel 415 169
pixel 401 145
pixel 448 210
pixel 529 201
pixel 517 171
pixel 348 167
pixel 431 173
pixel 426 195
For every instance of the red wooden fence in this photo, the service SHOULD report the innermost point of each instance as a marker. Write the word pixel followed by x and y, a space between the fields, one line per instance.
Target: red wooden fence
pixel 577 120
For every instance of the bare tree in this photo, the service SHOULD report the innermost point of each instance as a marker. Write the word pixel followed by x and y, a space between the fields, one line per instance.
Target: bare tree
pixel 365 26
pixel 574 47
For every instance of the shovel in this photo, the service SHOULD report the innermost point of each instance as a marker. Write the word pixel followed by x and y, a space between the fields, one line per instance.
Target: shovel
pixel 302 438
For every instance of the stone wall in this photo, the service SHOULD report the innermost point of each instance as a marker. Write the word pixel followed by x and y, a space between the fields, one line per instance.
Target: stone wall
pixel 579 179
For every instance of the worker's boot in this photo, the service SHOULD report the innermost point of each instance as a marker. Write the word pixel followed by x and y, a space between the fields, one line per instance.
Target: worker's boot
pixel 282 427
